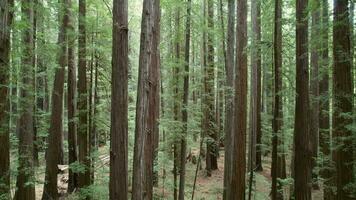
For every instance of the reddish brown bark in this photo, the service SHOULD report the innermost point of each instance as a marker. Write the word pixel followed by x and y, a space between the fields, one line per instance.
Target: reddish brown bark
pixel 26 191
pixel 119 104
pixel 303 151
pixel 324 122
pixel 146 111
pixel 342 101
pixel 5 48
pixel 239 141
pixel 277 121
pixel 83 135
pixel 50 190
pixel 72 106
pixel 211 132
pixel 185 104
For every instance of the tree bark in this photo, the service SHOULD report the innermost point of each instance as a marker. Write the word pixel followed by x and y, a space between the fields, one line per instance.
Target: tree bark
pixel 72 107
pixel 185 104
pixel 146 111
pixel 302 139
pixel 324 121
pixel 229 108
pixel 6 16
pixel 211 132
pixel 50 190
pixel 119 103
pixel 314 88
pixel 25 186
pixel 83 135
pixel 239 142
pixel 277 121
pixel 342 100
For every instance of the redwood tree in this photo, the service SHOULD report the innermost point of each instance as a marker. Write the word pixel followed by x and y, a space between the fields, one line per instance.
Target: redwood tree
pixel 229 112
pixel 342 101
pixel 50 190
pixel 5 27
pixel 277 162
pixel 119 105
pixel 25 185
pixel 185 103
pixel 147 101
pixel 324 121
pixel 83 136
pixel 71 101
pixel 239 141
pixel 303 154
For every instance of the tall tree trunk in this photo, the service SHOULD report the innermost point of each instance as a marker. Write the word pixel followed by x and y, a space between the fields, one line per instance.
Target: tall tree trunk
pixel 50 190
pixel 5 48
pixel 211 132
pixel 239 142
pixel 83 136
pixel 255 109
pixel 324 121
pixel 146 111
pixel 314 88
pixel 185 104
pixel 342 100
pixel 26 191
pixel 175 103
pixel 277 155
pixel 119 103
pixel 35 56
pixel 229 108
pixel 72 106
pixel 303 151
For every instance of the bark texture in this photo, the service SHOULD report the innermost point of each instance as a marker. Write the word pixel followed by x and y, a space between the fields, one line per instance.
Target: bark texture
pixel 239 142
pixel 5 48
pixel 146 111
pixel 229 108
pixel 25 178
pixel 119 103
pixel 83 135
pixel 185 103
pixel 50 190
pixel 71 101
pixel 277 121
pixel 303 149
pixel 342 101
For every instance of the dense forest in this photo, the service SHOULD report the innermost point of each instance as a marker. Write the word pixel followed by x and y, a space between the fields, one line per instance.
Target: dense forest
pixel 177 99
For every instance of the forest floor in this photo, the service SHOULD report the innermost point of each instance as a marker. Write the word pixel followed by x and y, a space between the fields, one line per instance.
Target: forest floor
pixel 207 188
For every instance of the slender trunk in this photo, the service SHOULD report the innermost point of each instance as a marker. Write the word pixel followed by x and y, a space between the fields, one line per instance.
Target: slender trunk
pixel 239 142
pixel 303 151
pixel 26 171
pixel 277 165
pixel 185 104
pixel 314 89
pixel 342 101
pixel 35 113
pixel 176 105
pixel 146 111
pixel 5 47
pixel 119 103
pixel 211 132
pixel 229 109
pixel 255 109
pixel 50 190
pixel 324 121
pixel 83 135
pixel 72 106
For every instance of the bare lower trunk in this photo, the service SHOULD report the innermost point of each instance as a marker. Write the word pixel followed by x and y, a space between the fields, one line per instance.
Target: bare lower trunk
pixel 303 151
pixel 239 142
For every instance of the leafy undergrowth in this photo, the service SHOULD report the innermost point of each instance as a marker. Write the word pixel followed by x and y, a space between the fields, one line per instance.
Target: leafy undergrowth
pixel 207 188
